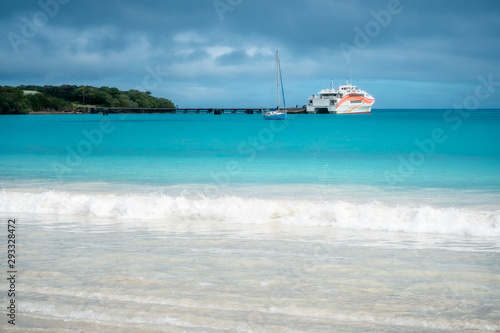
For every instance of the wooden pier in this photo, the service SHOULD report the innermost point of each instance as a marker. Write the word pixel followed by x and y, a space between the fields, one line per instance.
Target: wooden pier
pixel 215 111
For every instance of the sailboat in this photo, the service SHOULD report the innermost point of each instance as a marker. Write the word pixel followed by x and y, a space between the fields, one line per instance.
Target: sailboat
pixel 277 113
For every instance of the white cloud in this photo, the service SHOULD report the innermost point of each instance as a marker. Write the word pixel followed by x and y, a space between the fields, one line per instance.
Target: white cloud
pixel 217 51
pixel 188 37
pixel 252 51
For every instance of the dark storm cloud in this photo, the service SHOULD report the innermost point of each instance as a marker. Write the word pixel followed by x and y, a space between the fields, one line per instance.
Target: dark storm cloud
pixel 209 48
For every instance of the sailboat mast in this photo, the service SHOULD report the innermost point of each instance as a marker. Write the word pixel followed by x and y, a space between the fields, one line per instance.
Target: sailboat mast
pixel 278 78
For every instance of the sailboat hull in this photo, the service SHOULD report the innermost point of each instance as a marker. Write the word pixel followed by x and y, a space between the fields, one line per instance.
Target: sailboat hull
pixel 273 115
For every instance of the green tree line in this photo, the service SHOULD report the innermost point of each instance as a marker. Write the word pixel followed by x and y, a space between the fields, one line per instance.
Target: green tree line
pixel 29 98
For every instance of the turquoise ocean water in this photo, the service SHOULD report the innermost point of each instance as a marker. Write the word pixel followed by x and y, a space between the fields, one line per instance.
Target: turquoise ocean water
pixel 386 148
pixel 195 222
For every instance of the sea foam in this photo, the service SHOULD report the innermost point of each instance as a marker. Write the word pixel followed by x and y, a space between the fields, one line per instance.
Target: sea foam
pixel 234 209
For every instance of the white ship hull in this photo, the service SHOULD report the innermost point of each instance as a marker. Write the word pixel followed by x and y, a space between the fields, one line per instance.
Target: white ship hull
pixel 357 109
pixel 355 103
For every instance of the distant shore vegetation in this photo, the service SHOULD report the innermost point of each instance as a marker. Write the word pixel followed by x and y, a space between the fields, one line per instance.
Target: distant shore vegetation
pixel 72 98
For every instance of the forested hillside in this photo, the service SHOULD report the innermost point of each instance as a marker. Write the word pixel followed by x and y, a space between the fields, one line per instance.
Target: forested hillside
pixel 24 99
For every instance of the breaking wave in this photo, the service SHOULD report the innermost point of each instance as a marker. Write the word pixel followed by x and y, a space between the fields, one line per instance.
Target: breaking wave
pixel 233 209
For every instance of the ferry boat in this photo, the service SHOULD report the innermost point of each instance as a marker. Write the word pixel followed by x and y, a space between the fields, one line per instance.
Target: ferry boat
pixel 346 99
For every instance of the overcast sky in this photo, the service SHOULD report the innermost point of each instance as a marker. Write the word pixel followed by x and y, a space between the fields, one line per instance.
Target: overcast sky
pixel 205 53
